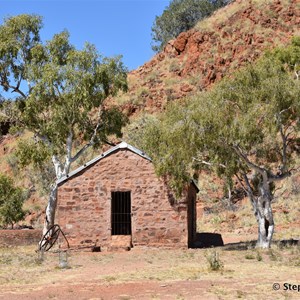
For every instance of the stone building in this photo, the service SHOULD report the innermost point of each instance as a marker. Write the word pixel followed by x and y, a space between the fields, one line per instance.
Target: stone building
pixel 117 200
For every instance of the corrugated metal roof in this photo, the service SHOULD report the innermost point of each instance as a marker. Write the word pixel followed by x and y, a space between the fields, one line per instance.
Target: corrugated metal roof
pixel 122 145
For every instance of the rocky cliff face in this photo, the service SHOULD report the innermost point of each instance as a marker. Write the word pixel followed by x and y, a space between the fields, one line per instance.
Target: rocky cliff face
pixel 232 37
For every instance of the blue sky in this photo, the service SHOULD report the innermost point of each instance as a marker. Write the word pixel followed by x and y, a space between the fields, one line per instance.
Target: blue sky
pixel 115 26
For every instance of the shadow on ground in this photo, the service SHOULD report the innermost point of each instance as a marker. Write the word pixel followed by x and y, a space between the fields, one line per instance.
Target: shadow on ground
pixel 209 240
pixel 252 244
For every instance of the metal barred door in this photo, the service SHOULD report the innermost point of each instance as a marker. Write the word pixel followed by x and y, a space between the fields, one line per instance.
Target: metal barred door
pixel 121 213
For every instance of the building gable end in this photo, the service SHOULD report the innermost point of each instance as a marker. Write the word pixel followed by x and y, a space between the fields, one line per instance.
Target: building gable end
pixel 122 145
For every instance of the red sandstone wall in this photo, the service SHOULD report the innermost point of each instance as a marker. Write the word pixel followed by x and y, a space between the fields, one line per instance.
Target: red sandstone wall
pixel 84 204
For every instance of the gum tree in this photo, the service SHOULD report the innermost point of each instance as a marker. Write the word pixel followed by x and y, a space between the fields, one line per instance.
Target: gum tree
pixel 62 96
pixel 244 128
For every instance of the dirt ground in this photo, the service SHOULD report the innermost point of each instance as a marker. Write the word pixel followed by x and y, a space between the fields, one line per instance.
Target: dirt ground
pixel 244 273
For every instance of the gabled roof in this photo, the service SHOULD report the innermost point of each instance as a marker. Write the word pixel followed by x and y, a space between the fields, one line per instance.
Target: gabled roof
pixel 122 145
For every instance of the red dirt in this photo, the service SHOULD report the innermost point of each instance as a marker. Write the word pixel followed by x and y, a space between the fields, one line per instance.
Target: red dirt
pixel 96 290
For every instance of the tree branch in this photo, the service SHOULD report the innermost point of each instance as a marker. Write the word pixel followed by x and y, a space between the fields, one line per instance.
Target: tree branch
pixel 247 189
pixel 241 183
pixel 251 165
pixel 109 143
pixel 284 139
pixel 69 143
pixel 208 163
pixel 16 89
pixel 274 178
pixel 7 86
pixel 92 139
pixel 58 167
pixel 57 89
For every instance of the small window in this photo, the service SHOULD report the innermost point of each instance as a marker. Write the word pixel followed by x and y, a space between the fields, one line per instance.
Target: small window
pixel 120 213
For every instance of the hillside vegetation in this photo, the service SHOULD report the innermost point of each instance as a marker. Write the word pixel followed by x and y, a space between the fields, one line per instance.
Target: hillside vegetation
pixel 235 35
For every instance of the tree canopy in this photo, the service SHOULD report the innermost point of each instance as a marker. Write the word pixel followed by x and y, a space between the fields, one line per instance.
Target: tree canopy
pixel 62 95
pixel 179 16
pixel 245 127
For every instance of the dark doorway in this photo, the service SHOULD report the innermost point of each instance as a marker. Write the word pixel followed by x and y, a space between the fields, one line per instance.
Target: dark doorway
pixel 120 213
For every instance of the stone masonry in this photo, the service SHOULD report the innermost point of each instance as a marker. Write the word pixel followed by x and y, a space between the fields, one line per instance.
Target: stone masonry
pixel 157 219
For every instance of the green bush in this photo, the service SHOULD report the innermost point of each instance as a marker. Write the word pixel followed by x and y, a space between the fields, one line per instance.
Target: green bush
pixel 249 256
pixel 11 202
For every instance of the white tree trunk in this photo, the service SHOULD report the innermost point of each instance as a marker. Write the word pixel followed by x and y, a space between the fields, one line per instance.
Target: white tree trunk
pixel 264 216
pixel 61 170
pixel 262 203
pixel 50 209
pixel 52 200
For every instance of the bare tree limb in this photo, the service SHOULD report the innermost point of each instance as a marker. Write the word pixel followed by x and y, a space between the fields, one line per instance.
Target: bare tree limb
pixel 241 183
pixel 58 167
pixel 248 189
pixel 274 178
pixel 92 139
pixel 250 164
pixel 15 89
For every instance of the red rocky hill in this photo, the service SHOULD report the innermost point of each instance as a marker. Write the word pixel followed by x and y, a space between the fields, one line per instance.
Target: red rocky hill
pixel 233 36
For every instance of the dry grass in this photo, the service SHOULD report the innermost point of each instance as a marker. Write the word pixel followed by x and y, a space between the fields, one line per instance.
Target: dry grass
pixel 248 273
pixel 220 16
pixel 227 12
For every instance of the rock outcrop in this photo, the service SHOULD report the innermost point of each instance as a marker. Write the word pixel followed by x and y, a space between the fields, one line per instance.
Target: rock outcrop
pixel 233 36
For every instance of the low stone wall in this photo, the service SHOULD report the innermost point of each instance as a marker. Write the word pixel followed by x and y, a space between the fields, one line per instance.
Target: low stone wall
pixel 20 237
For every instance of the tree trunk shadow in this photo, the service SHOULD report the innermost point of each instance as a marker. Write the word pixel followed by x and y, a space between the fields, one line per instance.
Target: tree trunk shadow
pixel 208 240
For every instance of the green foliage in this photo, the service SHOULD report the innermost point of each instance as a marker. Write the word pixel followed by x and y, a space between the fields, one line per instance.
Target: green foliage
pixel 156 137
pixel 248 110
pixel 249 256
pixel 179 16
pixel 29 151
pixel 34 157
pixel 11 202
pixel 62 97
pixel 289 56
pixel 65 93
pixel 18 35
